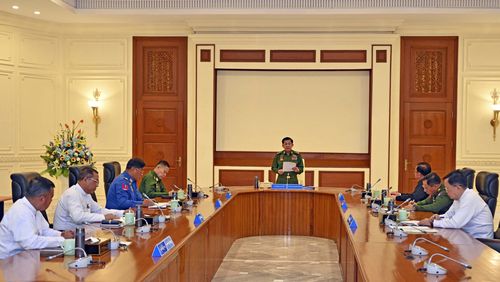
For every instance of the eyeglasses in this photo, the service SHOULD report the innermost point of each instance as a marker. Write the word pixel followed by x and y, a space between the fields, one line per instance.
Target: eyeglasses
pixel 95 180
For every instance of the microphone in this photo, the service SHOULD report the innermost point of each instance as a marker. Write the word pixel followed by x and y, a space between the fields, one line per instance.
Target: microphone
pixel 145 228
pixel 82 262
pixel 59 254
pixel 115 242
pixel 419 251
pixel 436 269
pixel 161 218
pixel 376 182
pixel 200 191
pixel 403 203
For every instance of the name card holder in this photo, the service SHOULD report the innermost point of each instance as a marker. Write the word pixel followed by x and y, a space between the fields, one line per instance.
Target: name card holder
pixel 343 205
pixel 218 204
pixel 163 247
pixel 228 195
pixel 352 223
pixel 198 219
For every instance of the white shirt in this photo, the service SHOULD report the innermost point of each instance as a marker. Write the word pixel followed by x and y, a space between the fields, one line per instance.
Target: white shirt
pixel 75 207
pixel 471 214
pixel 24 228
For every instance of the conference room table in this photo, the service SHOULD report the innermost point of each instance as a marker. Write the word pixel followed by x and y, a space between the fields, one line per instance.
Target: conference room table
pixel 365 254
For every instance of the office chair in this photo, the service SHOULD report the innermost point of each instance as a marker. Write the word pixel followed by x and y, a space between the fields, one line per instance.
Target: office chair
pixel 493 243
pixel 74 173
pixel 487 187
pixel 111 171
pixel 19 184
pixel 469 174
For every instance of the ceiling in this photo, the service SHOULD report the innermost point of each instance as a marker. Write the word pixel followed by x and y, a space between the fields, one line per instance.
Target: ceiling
pixel 241 20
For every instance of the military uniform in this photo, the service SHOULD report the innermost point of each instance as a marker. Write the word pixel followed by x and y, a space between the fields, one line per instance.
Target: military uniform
pixel 281 157
pixel 438 203
pixel 123 193
pixel 152 185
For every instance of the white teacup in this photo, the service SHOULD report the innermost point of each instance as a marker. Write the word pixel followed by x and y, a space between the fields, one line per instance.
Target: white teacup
pixel 69 247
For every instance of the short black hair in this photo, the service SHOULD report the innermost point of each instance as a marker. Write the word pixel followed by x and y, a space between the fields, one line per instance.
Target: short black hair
pixel 432 178
pixel 285 139
pixel 86 172
pixel 163 163
pixel 135 163
pixel 456 177
pixel 39 186
pixel 424 168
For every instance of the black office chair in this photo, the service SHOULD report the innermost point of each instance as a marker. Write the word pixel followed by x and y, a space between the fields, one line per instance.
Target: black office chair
pixel 74 173
pixel 469 174
pixel 111 171
pixel 487 186
pixel 493 243
pixel 20 182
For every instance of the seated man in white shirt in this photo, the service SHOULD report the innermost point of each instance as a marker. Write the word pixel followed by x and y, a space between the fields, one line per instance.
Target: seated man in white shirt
pixel 468 210
pixel 76 206
pixel 24 227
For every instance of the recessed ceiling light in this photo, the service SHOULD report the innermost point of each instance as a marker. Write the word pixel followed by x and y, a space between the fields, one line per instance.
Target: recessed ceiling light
pixel 15 7
pixel 36 12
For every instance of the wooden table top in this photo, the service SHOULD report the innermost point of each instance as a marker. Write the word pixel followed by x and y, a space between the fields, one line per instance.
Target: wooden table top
pixel 378 254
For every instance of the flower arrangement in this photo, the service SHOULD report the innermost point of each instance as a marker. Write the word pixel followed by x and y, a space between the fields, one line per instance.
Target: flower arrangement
pixel 69 148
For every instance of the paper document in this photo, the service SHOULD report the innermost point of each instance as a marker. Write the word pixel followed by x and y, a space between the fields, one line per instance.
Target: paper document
pixel 288 166
pixel 159 206
pixel 409 222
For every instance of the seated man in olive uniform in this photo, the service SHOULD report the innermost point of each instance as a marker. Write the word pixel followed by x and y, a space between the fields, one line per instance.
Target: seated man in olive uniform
pixel 438 201
pixel 287 155
pixel 151 183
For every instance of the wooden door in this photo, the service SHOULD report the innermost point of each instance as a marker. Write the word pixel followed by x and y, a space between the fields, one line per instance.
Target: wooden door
pixel 159 101
pixel 428 105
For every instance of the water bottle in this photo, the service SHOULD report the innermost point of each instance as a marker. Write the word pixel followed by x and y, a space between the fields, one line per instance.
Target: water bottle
pixel 138 216
pixel 256 183
pixel 79 241
pixel 190 191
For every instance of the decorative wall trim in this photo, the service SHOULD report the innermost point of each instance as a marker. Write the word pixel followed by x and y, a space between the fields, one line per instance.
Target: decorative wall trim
pixel 293 56
pixel 472 164
pixel 313 159
pixel 381 56
pixel 243 56
pixel 343 56
pixel 279 4
pixel 205 55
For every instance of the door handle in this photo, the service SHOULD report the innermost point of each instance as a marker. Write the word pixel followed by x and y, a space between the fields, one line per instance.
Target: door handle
pixel 179 161
pixel 406 164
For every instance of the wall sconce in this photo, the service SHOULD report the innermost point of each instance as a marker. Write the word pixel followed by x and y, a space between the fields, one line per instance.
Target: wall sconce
pixel 496 109
pixel 94 104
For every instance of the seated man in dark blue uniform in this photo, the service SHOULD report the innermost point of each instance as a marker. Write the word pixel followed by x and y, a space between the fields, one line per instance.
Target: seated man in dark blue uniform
pixel 123 192
pixel 418 194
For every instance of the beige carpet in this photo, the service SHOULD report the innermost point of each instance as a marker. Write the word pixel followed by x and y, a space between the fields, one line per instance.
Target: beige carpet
pixel 281 258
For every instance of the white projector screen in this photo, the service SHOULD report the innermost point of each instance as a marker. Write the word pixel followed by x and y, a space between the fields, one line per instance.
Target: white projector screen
pixel 323 111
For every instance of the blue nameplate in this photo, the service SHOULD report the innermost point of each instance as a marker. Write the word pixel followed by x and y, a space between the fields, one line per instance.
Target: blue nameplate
pixel 352 223
pixel 344 206
pixel 163 247
pixel 198 219
pixel 228 195
pixel 218 204
pixel 341 197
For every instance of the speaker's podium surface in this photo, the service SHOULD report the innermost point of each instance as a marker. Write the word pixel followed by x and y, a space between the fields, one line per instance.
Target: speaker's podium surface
pixel 366 253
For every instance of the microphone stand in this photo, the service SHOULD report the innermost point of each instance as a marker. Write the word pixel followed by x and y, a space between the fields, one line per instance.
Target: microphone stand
pixel 287 178
pixel 162 217
pixel 436 269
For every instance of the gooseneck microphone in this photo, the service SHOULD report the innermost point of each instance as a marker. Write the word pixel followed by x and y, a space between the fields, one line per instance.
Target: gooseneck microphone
pixel 155 202
pixel 403 203
pixel 145 228
pixel 195 185
pixel 419 251
pixel 376 182
pixel 436 269
pixel 82 262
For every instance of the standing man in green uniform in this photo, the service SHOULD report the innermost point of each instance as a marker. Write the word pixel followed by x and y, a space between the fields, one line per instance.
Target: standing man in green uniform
pixel 151 183
pixel 287 163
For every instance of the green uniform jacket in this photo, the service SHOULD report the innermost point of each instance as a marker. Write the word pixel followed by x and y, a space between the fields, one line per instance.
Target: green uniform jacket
pixel 438 203
pixel 152 185
pixel 281 157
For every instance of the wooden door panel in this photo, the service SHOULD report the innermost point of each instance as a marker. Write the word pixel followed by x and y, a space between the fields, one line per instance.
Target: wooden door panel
pixel 428 103
pixel 160 91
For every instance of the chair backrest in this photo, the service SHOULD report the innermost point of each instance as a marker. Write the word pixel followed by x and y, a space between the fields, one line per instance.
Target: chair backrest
pixel 469 174
pixel 74 173
pixel 487 187
pixel 111 171
pixel 19 184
